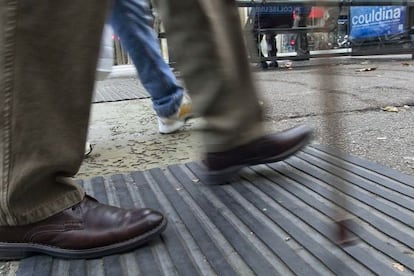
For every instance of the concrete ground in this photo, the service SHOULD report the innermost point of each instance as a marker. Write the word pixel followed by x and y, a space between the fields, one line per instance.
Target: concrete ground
pixel 125 137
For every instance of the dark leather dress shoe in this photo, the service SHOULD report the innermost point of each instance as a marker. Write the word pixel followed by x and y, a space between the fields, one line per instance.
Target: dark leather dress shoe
pixel 87 230
pixel 222 166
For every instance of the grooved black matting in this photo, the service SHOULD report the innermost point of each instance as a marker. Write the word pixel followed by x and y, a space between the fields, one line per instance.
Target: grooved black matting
pixel 276 220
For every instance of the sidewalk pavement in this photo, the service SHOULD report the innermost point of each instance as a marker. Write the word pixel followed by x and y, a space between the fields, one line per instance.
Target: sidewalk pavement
pixel 377 115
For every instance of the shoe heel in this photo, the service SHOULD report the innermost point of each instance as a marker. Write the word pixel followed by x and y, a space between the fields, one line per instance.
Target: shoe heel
pixel 219 177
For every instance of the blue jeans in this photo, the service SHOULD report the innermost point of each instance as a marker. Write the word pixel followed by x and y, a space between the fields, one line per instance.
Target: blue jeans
pixel 215 69
pixel 132 22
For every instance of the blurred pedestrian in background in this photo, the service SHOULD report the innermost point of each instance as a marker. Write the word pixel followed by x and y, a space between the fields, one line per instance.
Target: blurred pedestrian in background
pixel 132 22
pixel 269 17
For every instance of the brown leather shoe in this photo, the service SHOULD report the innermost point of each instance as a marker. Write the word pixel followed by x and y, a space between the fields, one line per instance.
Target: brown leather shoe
pixel 222 166
pixel 87 230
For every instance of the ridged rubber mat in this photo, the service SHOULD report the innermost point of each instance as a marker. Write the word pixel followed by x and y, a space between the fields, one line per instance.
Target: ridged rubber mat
pixel 278 219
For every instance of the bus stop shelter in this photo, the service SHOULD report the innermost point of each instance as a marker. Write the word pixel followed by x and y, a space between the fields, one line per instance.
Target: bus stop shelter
pixel 359 27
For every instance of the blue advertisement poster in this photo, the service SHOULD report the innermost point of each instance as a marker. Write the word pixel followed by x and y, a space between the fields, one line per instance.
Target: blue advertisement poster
pixel 376 21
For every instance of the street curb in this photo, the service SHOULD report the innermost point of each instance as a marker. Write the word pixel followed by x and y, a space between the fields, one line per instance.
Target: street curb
pixel 123 71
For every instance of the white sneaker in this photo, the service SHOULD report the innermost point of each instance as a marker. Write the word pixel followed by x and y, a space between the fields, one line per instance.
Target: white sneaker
pixel 176 121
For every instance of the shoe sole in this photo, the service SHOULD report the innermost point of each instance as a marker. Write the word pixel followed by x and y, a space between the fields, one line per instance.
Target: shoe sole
pixel 175 127
pixel 222 176
pixel 17 251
